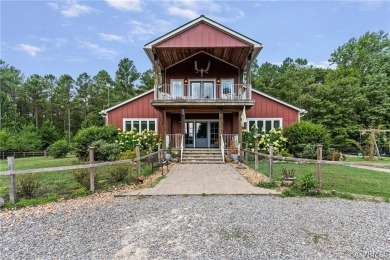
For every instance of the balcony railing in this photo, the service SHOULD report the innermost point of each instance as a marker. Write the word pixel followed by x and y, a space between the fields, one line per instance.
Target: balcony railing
pixel 203 92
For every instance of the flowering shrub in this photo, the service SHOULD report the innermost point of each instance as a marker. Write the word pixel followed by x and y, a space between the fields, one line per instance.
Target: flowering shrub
pixel 127 140
pixel 274 137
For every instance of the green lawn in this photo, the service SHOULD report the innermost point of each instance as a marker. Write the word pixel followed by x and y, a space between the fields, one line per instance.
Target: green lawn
pixel 365 160
pixel 59 184
pixel 338 178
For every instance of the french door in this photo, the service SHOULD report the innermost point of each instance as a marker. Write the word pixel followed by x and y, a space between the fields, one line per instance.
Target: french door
pixel 201 134
pixel 202 89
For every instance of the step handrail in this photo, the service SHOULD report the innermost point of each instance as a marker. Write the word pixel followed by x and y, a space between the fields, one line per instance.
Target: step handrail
pixel 181 148
pixel 223 148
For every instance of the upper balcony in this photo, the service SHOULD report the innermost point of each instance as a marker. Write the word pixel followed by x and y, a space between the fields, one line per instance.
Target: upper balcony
pixel 202 94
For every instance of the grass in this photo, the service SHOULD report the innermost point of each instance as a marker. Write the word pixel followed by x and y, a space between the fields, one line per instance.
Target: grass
pixel 365 160
pixel 342 179
pixel 59 184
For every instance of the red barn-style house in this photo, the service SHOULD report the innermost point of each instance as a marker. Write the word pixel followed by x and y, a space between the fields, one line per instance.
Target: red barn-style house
pixel 202 87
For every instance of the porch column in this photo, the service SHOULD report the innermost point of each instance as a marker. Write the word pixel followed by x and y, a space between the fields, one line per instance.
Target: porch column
pixel 156 69
pixel 164 128
pixel 220 127
pixel 239 127
pixel 183 121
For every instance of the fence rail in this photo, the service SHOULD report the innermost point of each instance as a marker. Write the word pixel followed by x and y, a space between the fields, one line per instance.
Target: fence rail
pixel 91 166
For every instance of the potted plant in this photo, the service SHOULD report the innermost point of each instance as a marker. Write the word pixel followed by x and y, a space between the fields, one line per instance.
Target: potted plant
pixel 288 177
pixel 168 154
pixel 176 157
pixel 233 151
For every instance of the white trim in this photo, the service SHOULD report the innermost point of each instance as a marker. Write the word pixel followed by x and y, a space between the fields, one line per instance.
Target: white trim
pixel 272 119
pixel 124 120
pixel 172 85
pixel 279 101
pixel 127 101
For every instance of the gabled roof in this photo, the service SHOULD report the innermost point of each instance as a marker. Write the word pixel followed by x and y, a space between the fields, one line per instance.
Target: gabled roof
pixel 279 101
pixel 253 47
pixel 126 101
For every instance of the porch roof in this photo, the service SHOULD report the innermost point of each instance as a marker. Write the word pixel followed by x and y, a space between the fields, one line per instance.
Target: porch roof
pixel 202 34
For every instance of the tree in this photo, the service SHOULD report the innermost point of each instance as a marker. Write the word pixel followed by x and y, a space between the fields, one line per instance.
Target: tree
pixel 125 78
pixel 147 81
pixel 103 84
pixel 34 91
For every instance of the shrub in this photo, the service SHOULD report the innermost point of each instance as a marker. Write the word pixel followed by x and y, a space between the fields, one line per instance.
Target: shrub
pixel 129 139
pixel 127 155
pixel 85 137
pixel 308 182
pixel 28 185
pixel 82 177
pixel 274 137
pixel 309 151
pixel 59 149
pixel 119 172
pixel 303 133
pixel 105 151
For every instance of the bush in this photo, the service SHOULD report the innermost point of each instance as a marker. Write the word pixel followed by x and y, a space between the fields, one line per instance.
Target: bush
pixel 267 184
pixel 309 151
pixel 59 149
pixel 119 172
pixel 129 139
pixel 105 151
pixel 28 185
pixel 82 177
pixel 85 137
pixel 303 133
pixel 127 155
pixel 308 182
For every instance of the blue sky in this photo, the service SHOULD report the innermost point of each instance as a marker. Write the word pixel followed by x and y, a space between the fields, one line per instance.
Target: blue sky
pixel 72 37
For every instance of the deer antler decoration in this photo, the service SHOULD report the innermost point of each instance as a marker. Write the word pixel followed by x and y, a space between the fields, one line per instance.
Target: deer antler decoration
pixel 201 70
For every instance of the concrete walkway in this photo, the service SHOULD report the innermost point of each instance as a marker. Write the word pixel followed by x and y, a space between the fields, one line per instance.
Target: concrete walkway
pixel 198 179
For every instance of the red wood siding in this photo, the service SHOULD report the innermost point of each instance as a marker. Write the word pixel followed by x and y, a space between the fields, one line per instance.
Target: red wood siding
pixel 267 108
pixel 202 35
pixel 217 69
pixel 139 108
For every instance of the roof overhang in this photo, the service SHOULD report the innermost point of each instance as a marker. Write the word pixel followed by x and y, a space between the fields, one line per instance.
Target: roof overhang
pixel 236 55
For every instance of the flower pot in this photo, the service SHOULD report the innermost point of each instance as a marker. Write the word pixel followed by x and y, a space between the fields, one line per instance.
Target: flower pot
pixel 288 181
pixel 168 157
pixel 234 156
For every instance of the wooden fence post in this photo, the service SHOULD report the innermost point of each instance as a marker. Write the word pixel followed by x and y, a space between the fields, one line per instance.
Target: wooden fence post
pixel 138 156
pixel 319 165
pixel 271 160
pixel 91 169
pixel 256 156
pixel 246 152
pixel 159 152
pixel 150 148
pixel 12 180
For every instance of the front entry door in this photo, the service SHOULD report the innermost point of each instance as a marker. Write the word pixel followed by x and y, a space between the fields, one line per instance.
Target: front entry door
pixel 201 130
pixel 201 134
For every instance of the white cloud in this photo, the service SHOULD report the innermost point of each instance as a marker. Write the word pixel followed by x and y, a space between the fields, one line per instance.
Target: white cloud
pixel 97 50
pixel 71 8
pixel 126 5
pixel 142 31
pixel 322 64
pixel 29 49
pixel 111 37
pixel 183 12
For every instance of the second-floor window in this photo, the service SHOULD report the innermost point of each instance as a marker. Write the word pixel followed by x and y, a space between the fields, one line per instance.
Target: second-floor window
pixel 227 86
pixel 177 89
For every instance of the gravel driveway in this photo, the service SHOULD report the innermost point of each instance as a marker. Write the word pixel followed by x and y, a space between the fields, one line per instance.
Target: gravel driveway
pixel 198 227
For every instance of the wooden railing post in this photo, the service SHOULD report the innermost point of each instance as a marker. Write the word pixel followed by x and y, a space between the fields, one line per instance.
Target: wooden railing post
pixel 12 180
pixel 159 152
pixel 256 156
pixel 319 165
pixel 246 152
pixel 91 169
pixel 271 160
pixel 138 156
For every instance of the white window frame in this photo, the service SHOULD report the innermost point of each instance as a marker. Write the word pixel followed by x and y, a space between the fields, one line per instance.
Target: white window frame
pixel 139 120
pixel 173 81
pixel 265 119
pixel 231 88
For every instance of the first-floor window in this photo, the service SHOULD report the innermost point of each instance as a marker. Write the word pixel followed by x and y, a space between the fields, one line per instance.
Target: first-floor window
pixel 264 124
pixel 140 124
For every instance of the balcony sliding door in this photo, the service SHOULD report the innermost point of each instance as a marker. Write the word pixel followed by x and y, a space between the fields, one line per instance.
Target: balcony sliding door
pixel 202 89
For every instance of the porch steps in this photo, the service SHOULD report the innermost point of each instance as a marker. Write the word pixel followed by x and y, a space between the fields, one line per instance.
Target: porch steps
pixel 202 156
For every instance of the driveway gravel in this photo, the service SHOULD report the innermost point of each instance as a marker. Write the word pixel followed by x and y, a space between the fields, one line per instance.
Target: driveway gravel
pixel 197 227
